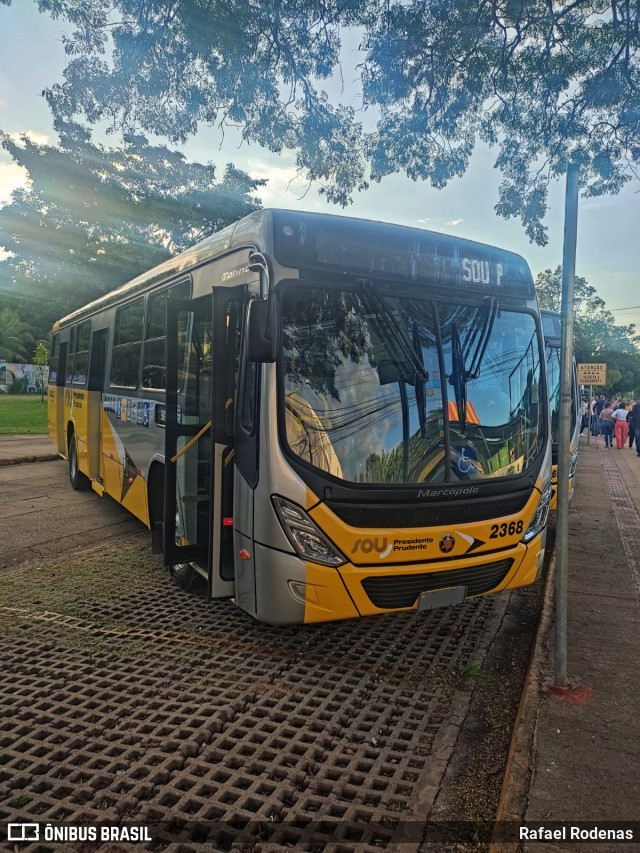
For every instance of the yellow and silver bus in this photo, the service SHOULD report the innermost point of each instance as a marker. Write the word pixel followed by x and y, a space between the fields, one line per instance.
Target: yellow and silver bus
pixel 552 330
pixel 323 417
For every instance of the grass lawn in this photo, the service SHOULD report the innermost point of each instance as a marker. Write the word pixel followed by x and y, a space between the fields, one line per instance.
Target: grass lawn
pixel 23 414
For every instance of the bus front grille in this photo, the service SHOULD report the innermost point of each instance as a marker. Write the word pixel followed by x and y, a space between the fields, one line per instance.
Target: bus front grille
pixel 393 591
pixel 428 515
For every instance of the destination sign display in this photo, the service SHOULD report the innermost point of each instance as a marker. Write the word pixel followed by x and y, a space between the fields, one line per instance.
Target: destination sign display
pixel 381 250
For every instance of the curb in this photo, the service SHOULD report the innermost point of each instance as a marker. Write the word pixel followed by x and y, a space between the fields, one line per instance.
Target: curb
pixel 512 803
pixel 20 459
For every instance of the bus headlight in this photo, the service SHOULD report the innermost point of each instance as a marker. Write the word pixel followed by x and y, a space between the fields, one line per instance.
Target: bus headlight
pixel 306 538
pixel 539 519
pixel 573 464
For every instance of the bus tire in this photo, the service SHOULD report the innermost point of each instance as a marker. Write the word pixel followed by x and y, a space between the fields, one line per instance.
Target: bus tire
pixel 182 574
pixel 79 481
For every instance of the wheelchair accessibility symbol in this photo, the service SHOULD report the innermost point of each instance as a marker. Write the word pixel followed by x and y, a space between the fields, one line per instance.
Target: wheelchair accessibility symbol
pixel 466 458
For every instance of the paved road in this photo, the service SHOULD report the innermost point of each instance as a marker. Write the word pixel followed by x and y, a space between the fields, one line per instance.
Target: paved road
pixel 42 516
pixel 127 699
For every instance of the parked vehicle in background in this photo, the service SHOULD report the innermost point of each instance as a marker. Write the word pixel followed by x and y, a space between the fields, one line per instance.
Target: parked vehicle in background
pixel 552 330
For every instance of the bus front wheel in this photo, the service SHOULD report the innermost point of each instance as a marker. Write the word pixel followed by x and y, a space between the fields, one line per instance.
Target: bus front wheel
pixel 79 481
pixel 183 575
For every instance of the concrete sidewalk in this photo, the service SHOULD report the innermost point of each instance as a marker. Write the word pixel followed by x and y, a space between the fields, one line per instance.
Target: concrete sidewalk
pixel 25 448
pixel 576 755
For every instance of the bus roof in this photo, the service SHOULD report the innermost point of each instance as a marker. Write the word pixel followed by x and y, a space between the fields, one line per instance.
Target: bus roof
pixel 348 245
pixel 232 236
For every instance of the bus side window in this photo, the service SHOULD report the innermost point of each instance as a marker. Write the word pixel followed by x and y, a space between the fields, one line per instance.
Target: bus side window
pixel 154 359
pixel 127 345
pixel 81 358
pixel 70 354
pixel 53 361
pixel 232 362
pixel 249 388
pixel 246 442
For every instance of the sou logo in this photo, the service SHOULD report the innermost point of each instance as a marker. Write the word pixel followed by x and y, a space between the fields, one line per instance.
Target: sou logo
pixel 367 546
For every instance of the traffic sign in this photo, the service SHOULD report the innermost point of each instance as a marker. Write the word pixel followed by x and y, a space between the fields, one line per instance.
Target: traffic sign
pixel 592 374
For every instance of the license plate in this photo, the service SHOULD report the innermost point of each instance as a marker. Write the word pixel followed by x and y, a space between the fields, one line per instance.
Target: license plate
pixel 442 597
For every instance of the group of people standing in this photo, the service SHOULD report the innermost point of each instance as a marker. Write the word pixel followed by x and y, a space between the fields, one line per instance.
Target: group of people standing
pixel 614 418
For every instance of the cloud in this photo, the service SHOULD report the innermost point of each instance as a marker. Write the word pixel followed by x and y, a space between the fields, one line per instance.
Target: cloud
pixel 12 177
pixel 33 135
pixel 454 222
pixel 286 186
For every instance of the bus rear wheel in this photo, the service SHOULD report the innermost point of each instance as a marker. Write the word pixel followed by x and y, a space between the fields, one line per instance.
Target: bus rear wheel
pixel 79 481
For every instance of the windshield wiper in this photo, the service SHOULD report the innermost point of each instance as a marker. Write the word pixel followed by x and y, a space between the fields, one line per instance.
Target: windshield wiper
pixel 475 344
pixel 458 378
pixel 404 344
pixel 481 340
pixel 421 399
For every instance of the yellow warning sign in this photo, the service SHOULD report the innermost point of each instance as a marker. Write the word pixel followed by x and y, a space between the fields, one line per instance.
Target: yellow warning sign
pixel 592 374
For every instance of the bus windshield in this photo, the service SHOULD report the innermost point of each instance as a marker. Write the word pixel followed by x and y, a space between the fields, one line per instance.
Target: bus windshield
pixel 399 389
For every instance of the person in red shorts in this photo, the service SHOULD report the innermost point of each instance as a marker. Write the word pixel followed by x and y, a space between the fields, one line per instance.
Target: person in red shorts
pixel 621 427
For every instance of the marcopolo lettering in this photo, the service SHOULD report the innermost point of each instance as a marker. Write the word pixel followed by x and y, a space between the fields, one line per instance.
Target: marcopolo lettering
pixel 453 492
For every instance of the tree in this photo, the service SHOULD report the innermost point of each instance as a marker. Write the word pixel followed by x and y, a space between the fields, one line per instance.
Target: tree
pixel 41 360
pixel 545 81
pixel 94 217
pixel 587 302
pixel 597 337
pixel 15 337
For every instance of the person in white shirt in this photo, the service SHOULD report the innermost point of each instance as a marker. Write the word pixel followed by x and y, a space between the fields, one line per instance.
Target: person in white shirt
pixel 621 426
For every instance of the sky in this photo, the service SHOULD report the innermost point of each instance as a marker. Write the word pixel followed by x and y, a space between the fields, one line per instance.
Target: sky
pixel 32 58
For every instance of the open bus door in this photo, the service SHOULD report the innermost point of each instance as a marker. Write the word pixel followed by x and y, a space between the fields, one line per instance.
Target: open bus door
pixel 187 481
pixel 203 348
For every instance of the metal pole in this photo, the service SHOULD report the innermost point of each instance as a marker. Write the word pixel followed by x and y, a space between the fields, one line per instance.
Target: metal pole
pixel 564 425
pixel 589 415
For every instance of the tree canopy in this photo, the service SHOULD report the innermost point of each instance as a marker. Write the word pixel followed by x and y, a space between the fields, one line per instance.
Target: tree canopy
pixel 597 337
pixel 94 217
pixel 545 81
pixel 16 339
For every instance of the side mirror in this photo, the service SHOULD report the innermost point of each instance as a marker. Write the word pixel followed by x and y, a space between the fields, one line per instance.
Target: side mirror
pixel 262 329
